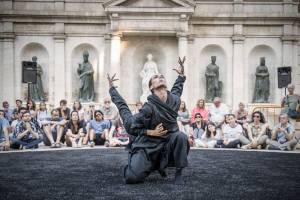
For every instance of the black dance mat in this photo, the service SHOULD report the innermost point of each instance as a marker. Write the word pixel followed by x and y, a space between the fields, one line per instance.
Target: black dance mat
pixel 95 174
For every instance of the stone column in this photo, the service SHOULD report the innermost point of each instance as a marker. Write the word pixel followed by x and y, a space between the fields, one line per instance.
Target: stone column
pixel 8 81
pixel 183 51
pixel 238 6
pixel 288 40
pixel 59 71
pixel 115 55
pixel 238 70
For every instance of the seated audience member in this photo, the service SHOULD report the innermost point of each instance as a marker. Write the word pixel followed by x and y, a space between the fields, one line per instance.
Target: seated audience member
pixel 209 137
pixel 138 106
pixel 257 129
pixel 183 118
pixel 197 130
pixel 4 134
pixel 42 113
pixel 283 135
pixel 78 107
pixel 89 112
pixel 75 131
pixel 233 134
pixel 111 113
pixel 26 133
pixel 63 110
pixel 120 136
pixel 241 114
pixel 217 112
pixel 31 107
pixel 54 129
pixel 99 129
pixel 290 102
pixel 18 105
pixel 8 112
pixel 18 119
pixel 200 108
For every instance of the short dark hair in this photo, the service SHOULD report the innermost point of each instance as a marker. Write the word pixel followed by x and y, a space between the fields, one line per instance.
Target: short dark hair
pixel 22 108
pixel 198 114
pixel 54 110
pixel 63 101
pixel 25 113
pixel 98 111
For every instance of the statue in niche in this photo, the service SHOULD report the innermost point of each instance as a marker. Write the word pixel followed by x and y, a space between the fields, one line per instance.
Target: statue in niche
pixel 86 76
pixel 213 85
pixel 262 83
pixel 149 69
pixel 36 90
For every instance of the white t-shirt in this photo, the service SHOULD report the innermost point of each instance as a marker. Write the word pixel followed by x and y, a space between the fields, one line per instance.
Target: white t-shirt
pixel 217 114
pixel 232 133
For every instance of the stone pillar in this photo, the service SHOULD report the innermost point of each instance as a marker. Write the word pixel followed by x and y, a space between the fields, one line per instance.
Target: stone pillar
pixel 238 70
pixel 8 81
pixel 183 51
pixel 59 71
pixel 115 55
pixel 288 41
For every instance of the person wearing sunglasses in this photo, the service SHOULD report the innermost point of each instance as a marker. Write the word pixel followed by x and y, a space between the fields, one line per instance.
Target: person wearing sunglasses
pixel 257 129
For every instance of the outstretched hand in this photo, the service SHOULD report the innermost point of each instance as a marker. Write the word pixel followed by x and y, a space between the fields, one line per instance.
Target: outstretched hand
pixel 180 69
pixel 111 80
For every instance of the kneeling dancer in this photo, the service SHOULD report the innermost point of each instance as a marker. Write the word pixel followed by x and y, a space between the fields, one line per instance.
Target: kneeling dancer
pixel 157 142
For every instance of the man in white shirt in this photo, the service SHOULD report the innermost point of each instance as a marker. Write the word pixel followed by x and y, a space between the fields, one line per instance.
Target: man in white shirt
pixel 217 111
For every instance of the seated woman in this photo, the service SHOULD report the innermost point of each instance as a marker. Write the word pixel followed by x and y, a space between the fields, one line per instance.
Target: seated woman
pixel 78 107
pixel 209 137
pixel 197 131
pixel 200 108
pixel 183 118
pixel 75 131
pixel 257 131
pixel 241 114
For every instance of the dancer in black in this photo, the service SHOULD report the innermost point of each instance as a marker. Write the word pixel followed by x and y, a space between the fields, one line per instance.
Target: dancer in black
pixel 157 142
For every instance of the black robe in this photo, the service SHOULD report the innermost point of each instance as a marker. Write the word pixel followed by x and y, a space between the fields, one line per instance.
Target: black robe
pixel 148 153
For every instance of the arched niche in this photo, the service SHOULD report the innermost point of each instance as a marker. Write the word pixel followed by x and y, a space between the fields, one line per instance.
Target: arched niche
pixel 254 60
pixel 132 64
pixel 40 51
pixel 76 59
pixel 205 60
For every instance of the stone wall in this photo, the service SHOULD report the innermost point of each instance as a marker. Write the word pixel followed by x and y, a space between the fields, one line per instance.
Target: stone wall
pixel 119 34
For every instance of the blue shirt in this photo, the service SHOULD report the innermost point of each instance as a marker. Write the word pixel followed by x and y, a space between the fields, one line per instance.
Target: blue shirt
pixel 100 126
pixel 281 136
pixel 20 128
pixel 3 124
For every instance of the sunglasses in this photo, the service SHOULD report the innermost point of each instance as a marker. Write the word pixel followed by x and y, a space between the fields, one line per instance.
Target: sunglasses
pixel 92 106
pixel 198 117
pixel 257 116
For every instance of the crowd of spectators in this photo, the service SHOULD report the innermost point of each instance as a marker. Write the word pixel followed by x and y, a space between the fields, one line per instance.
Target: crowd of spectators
pixel 219 127
pixel 28 125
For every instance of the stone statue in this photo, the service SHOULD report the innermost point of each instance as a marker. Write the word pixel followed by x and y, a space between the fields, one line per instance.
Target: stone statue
pixel 149 69
pixel 86 72
pixel 36 90
pixel 262 83
pixel 213 85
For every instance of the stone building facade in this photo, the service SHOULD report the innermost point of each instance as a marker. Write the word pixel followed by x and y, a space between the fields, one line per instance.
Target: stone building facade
pixel 118 34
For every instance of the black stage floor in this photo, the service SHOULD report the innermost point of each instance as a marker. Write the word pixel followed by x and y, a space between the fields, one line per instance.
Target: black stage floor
pixel 95 174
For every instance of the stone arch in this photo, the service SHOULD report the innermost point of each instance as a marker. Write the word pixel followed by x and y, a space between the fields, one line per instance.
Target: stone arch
pixel 205 59
pixel 40 51
pixel 138 57
pixel 76 58
pixel 256 52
